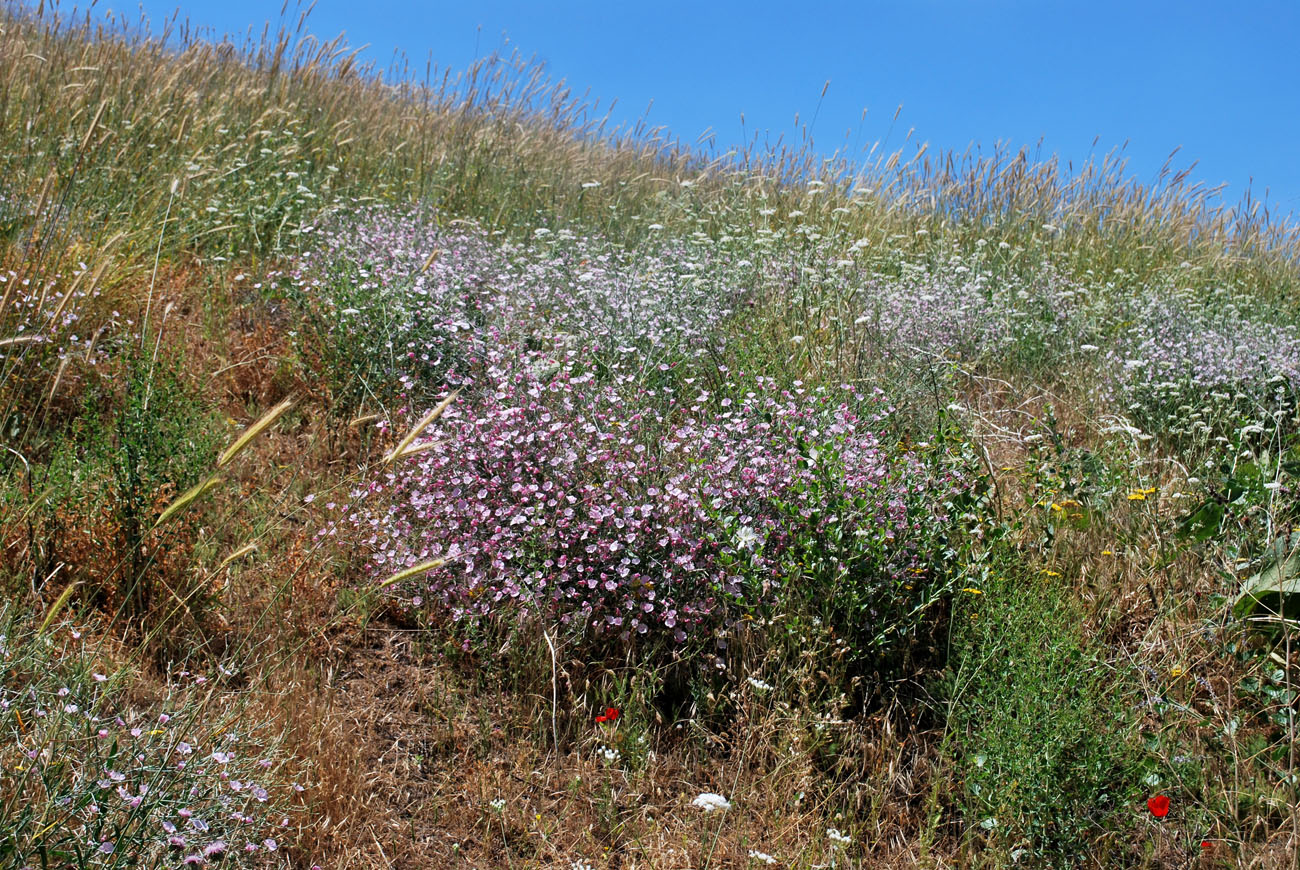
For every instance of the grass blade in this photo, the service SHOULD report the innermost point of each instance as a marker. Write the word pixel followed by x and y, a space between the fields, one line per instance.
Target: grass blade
pixel 253 431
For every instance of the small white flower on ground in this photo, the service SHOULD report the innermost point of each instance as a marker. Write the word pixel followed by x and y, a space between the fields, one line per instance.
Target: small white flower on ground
pixel 837 838
pixel 759 684
pixel 761 857
pixel 498 805
pixel 708 801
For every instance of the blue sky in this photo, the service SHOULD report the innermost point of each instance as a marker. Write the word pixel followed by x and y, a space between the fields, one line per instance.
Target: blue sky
pixel 1220 80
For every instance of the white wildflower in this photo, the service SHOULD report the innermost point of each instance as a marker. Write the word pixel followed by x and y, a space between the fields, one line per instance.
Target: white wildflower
pixel 709 801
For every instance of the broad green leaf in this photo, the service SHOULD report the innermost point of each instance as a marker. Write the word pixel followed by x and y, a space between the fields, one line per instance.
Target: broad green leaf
pixel 1202 523
pixel 1275 589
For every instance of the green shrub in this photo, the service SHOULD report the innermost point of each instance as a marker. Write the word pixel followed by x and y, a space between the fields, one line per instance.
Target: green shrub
pixel 111 477
pixel 1047 747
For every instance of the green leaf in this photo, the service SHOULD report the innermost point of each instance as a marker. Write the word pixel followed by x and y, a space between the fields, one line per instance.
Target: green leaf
pixel 1203 523
pixel 1276 588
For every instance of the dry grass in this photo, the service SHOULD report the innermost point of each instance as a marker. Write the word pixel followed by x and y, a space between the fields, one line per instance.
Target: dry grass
pixel 412 758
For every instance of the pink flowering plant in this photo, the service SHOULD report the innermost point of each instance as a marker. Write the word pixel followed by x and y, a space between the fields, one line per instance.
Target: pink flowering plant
pixel 89 777
pixel 602 469
pixel 599 505
pixel 569 504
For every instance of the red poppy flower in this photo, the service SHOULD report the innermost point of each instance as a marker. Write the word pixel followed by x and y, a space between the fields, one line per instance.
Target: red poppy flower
pixel 1206 844
pixel 1159 806
pixel 611 713
pixel 602 719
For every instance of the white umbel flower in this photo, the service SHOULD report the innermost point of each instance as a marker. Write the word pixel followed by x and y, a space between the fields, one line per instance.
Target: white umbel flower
pixel 709 801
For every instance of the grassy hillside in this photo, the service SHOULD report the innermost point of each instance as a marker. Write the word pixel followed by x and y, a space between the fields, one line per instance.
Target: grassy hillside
pixel 434 475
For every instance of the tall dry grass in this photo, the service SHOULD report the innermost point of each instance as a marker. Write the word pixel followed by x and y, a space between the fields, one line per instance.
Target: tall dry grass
pixel 100 115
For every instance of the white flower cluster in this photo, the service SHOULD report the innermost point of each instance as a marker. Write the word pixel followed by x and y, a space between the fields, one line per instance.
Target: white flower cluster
pixel 709 801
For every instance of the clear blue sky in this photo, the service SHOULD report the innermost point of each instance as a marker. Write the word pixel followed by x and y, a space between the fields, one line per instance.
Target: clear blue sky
pixel 1219 79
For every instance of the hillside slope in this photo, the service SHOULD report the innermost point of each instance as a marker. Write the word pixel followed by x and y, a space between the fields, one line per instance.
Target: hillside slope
pixel 432 476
